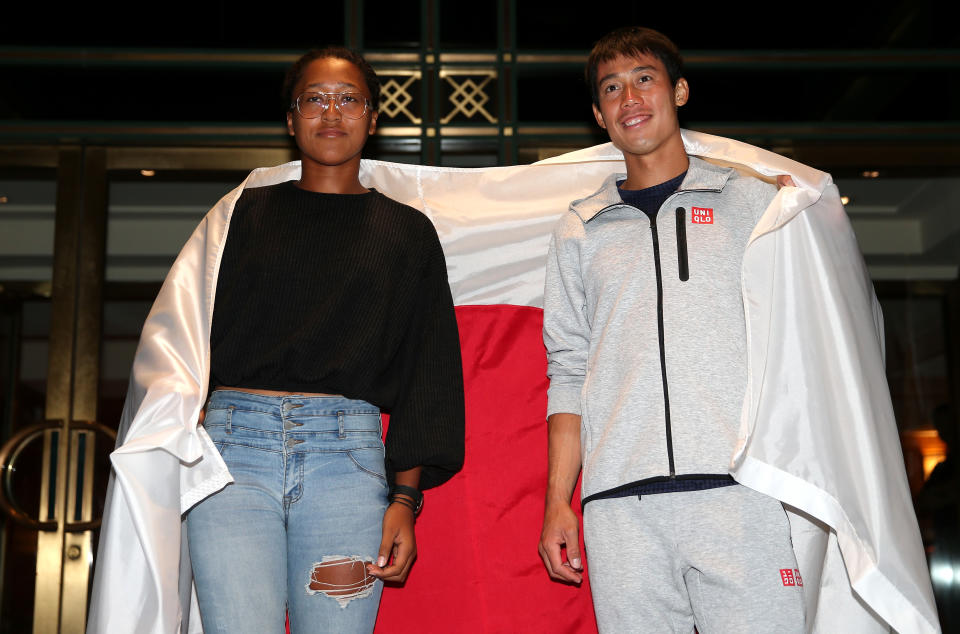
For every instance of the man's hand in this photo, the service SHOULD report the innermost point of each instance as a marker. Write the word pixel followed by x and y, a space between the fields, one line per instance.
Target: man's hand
pixel 561 529
pixel 399 543
pixel 785 180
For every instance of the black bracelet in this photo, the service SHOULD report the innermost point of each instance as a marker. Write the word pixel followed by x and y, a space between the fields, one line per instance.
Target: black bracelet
pixel 415 496
pixel 405 502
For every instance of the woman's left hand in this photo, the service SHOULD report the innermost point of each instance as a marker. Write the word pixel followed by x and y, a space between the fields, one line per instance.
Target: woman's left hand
pixel 399 543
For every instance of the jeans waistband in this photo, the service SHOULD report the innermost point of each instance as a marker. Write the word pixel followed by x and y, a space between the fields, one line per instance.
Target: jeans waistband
pixel 335 412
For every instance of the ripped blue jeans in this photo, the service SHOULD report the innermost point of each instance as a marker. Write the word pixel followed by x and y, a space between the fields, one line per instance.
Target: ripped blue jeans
pixel 302 517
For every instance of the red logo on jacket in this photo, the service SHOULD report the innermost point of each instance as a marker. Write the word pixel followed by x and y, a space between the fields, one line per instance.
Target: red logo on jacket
pixel 791 577
pixel 702 215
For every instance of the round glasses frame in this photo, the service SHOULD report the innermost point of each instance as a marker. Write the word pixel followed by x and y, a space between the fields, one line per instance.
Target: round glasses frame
pixel 344 102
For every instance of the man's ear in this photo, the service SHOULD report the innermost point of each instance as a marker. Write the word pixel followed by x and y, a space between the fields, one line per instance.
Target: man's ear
pixel 290 122
pixel 373 122
pixel 599 117
pixel 681 92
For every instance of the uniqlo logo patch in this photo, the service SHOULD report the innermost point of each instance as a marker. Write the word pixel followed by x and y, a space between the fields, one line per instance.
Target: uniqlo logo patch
pixel 702 215
pixel 786 574
pixel 796 575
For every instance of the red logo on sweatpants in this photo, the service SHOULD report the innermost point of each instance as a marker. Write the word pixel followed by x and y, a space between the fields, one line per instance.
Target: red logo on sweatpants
pixel 796 573
pixel 786 574
pixel 702 215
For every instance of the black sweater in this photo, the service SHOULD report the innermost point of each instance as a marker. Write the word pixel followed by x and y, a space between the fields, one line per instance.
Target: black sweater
pixel 344 294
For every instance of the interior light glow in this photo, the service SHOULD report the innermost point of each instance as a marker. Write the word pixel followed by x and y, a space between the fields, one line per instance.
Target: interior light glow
pixel 147 172
pixel 943 574
pixel 870 173
pixel 3 199
pixel 931 460
pixel 43 289
pixel 845 200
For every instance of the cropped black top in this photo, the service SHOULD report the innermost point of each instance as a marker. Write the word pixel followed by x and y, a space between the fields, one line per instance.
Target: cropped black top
pixel 344 294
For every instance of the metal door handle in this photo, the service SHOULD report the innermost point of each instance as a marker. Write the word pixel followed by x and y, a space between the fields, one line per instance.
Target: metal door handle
pixel 9 453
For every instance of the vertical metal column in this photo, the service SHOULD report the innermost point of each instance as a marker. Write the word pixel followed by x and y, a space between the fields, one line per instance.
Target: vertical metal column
pixel 64 558
pixel 430 144
pixel 353 24
pixel 506 73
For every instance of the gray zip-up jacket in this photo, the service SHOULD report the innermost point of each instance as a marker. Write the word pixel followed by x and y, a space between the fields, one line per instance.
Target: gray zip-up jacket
pixel 644 326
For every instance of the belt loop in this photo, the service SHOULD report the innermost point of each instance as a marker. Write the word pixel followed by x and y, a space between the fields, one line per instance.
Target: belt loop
pixel 340 425
pixel 229 425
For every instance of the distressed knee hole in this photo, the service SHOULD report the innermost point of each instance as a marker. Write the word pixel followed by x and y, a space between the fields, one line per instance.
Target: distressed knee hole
pixel 341 578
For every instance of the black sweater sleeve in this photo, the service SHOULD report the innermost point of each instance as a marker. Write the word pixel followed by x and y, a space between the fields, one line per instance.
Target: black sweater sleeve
pixel 427 422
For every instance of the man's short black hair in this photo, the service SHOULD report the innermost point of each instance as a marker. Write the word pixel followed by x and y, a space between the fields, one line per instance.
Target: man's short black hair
pixel 632 41
pixel 338 52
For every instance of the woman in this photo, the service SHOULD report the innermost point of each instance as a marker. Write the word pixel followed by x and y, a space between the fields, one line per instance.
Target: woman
pixel 332 303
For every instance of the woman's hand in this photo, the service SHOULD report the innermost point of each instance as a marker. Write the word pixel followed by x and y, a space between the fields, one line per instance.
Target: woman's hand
pixel 399 544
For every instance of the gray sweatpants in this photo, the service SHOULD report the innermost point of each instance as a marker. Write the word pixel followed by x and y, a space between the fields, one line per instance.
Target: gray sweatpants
pixel 720 559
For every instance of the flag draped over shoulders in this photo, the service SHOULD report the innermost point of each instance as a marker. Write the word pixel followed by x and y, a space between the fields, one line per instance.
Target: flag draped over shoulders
pixel 478 569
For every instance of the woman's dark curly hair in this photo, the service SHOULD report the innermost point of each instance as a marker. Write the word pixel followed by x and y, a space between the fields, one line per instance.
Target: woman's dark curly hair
pixel 338 52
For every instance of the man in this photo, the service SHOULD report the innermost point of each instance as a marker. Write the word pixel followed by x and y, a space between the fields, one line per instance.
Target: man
pixel 652 380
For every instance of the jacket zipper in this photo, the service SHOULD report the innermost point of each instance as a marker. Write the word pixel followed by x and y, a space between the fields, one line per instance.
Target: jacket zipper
pixel 684 273
pixel 663 355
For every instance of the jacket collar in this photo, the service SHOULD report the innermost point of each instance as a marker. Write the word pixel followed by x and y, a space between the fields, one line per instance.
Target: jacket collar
pixel 701 176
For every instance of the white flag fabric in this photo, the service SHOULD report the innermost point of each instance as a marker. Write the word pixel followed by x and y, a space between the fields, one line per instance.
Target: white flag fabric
pixel 817 430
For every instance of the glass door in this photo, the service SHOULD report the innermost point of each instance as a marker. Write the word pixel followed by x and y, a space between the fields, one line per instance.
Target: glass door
pixel 52 279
